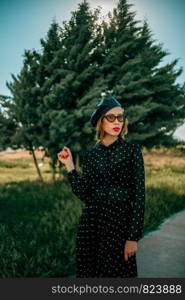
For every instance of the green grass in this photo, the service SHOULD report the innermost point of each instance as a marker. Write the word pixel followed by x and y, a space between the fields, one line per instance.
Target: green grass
pixel 165 195
pixel 37 229
pixel 23 169
pixel 14 164
pixel 38 221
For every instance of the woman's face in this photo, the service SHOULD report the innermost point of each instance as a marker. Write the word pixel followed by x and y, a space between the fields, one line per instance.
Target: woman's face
pixel 113 128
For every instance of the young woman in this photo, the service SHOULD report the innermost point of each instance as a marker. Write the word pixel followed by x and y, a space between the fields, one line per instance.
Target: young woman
pixel 112 185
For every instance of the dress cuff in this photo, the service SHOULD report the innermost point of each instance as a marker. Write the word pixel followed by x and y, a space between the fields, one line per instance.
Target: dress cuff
pixel 132 239
pixel 71 173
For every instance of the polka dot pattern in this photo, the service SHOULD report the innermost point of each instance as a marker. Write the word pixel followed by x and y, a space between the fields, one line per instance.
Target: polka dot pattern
pixel 112 186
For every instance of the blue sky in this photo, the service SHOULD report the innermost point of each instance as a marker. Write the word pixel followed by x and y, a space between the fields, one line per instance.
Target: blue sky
pixel 24 22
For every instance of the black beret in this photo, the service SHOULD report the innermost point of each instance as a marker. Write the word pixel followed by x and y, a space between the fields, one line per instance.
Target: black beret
pixel 102 107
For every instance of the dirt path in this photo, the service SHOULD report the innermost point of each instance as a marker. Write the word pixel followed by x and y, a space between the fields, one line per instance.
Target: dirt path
pixel 19 154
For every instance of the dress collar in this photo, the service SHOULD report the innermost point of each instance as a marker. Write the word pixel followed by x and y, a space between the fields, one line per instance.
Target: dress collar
pixel 112 145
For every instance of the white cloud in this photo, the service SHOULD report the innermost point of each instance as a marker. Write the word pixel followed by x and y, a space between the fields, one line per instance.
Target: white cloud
pixel 106 5
pixel 180 132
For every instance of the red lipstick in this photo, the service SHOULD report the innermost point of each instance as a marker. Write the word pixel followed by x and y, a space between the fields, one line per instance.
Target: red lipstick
pixel 116 128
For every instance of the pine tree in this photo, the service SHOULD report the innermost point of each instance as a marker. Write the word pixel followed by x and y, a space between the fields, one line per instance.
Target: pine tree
pixel 132 74
pixel 77 60
pixel 155 110
pixel 23 106
pixel 49 74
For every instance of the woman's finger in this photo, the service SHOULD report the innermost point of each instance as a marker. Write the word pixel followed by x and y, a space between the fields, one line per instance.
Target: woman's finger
pixel 64 156
pixel 126 256
pixel 66 149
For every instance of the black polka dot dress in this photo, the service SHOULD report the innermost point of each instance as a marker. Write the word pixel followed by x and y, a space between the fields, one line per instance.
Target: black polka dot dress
pixel 112 186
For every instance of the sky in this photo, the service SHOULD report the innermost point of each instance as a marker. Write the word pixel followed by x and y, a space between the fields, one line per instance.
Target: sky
pixel 24 22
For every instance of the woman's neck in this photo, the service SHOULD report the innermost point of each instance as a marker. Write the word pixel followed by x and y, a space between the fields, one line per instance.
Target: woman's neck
pixel 108 139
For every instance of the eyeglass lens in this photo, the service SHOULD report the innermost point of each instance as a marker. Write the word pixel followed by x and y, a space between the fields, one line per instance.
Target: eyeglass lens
pixel 111 118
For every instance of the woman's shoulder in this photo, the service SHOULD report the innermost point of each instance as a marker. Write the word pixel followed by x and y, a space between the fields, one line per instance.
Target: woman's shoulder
pixel 132 146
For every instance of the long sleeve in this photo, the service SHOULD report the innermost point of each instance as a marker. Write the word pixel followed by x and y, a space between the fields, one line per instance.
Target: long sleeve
pixel 138 194
pixel 81 183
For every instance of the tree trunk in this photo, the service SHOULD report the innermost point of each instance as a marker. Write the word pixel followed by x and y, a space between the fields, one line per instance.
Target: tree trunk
pixel 53 174
pixel 36 165
pixel 77 161
pixel 53 167
pixel 60 170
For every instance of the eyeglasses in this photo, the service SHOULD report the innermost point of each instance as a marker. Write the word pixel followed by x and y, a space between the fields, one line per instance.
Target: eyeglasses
pixel 111 118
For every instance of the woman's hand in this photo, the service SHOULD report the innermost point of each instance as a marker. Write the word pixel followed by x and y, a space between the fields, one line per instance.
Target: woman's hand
pixel 66 158
pixel 130 249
